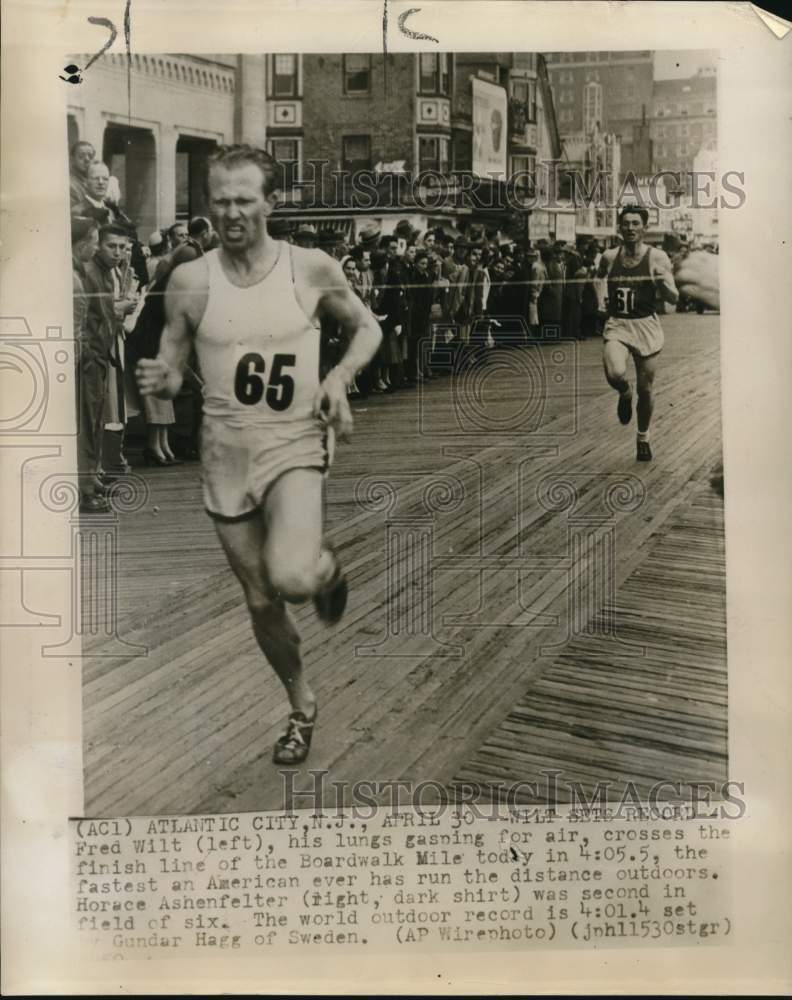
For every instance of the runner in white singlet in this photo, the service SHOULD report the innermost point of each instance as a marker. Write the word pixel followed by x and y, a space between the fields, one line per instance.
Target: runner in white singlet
pixel 637 274
pixel 252 309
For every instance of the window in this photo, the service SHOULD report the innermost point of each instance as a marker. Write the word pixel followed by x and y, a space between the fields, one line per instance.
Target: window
pixel 525 91
pixel 433 153
pixel 566 116
pixel 696 108
pixel 567 97
pixel 356 152
pixel 435 73
pixel 525 165
pixel 284 76
pixel 525 60
pixel 287 153
pixel 357 74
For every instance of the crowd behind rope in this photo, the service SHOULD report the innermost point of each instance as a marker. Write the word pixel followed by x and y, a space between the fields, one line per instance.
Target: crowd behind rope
pixel 435 295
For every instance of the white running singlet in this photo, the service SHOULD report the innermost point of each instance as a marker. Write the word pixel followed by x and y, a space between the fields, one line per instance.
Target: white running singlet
pixel 259 358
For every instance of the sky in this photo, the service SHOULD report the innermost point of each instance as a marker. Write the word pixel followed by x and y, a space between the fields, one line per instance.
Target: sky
pixel 672 64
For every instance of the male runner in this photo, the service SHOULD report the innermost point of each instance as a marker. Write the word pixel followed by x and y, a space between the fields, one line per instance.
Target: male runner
pixel 252 310
pixel 636 273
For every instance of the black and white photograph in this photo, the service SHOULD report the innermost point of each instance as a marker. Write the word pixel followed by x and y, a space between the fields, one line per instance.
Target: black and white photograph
pixel 394 571
pixel 400 412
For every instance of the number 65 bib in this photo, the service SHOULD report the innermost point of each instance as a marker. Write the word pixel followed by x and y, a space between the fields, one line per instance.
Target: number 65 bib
pixel 258 351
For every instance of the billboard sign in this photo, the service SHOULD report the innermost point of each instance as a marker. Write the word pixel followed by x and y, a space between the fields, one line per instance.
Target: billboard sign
pixel 490 120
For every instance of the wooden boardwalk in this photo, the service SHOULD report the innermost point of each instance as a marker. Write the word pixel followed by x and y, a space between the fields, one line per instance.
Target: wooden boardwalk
pixel 481 539
pixel 647 708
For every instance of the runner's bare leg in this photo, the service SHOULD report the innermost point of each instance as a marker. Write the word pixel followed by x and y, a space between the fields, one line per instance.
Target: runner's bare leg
pixel 244 546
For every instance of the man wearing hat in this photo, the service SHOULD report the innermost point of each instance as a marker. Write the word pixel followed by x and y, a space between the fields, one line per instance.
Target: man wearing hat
pixel 305 236
pixel 369 235
pixel 456 270
pixel 405 231
pixel 281 229
pixel 331 242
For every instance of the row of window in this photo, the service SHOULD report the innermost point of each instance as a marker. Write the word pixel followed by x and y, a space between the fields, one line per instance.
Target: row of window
pixel 590 57
pixel 433 154
pixel 434 74
pixel 692 108
pixel 694 129
pixel 676 149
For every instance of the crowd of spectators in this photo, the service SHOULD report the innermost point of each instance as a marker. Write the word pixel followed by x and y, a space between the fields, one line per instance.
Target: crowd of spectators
pixel 437 294
pixel 118 282
pixel 458 294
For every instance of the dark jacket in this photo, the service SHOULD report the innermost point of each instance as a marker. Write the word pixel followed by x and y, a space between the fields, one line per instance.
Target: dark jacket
pixel 101 323
pixel 390 300
pixel 79 305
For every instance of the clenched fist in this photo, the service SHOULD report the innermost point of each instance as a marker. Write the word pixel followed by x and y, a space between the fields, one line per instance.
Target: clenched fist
pixel 697 278
pixel 152 376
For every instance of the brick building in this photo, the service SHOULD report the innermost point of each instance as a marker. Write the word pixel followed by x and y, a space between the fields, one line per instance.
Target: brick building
pixel 398 118
pixel 684 121
pixel 617 86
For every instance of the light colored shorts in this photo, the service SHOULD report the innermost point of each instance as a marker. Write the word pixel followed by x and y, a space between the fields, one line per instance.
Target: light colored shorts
pixel 643 336
pixel 240 464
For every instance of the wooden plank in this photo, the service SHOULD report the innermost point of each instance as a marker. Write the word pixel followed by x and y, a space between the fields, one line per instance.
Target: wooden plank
pixel 194 721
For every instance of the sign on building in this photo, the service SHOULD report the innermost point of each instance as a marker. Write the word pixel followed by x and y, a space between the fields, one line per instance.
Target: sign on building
pixel 565 227
pixel 489 129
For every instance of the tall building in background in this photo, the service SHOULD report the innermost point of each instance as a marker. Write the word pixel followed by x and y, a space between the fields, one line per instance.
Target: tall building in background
pixel 623 96
pixel 684 122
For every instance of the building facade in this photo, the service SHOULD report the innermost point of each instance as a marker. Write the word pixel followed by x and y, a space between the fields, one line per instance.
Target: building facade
pixel 410 121
pixel 684 121
pixel 622 95
pixel 181 108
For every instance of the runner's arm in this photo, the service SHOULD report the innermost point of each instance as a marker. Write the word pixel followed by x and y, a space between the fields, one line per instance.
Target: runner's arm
pixel 162 376
pixel 606 262
pixel 663 275
pixel 362 333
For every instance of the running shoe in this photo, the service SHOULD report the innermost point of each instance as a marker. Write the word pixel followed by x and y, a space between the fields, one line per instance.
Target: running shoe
pixel 94 505
pixel 644 452
pixel 293 746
